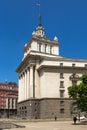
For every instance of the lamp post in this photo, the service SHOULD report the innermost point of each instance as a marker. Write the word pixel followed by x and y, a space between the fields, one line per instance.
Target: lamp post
pixel 30 108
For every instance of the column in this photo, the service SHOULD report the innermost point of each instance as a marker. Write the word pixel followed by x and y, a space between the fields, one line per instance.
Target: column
pixel 31 81
pixel 25 79
pixel 15 103
pixel 28 85
pixel 23 94
pixel 34 82
pixel 6 103
pixel 19 89
pixel 10 103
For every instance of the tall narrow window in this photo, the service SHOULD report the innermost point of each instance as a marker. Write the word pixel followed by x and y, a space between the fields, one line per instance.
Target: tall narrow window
pixel 45 47
pixel 39 47
pixel 61 103
pixel 61 84
pixel 61 75
pixel 61 64
pixel 50 49
pixel 85 65
pixel 73 65
pixel 61 93
pixel 62 110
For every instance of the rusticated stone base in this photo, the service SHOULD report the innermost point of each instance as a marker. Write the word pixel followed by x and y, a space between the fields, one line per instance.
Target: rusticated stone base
pixel 46 108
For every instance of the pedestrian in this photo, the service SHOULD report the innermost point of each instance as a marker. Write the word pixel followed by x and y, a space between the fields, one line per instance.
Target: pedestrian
pixel 55 118
pixel 74 119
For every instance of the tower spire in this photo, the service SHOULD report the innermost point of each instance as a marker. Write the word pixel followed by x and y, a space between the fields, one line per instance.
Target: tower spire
pixel 39 30
pixel 39 15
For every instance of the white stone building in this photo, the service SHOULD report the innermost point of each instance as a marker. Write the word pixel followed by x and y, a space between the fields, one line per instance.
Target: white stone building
pixel 44 77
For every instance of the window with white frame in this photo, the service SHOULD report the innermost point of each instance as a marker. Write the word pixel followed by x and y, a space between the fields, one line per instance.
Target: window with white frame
pixel 61 93
pixel 61 84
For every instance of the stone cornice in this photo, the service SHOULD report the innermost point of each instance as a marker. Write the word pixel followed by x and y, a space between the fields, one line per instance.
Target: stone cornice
pixel 29 58
pixel 41 39
pixel 60 67
pixel 45 40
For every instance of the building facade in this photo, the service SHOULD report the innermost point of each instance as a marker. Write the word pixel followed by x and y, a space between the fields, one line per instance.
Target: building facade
pixel 44 78
pixel 8 99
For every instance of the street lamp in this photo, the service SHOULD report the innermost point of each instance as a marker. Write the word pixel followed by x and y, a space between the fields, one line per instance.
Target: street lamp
pixel 30 108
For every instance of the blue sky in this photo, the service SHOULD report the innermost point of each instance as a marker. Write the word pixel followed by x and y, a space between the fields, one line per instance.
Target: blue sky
pixel 66 19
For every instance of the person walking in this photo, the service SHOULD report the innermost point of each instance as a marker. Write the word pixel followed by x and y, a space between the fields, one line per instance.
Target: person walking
pixel 74 119
pixel 55 118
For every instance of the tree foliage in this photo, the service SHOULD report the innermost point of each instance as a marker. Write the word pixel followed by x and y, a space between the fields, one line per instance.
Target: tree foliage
pixel 79 92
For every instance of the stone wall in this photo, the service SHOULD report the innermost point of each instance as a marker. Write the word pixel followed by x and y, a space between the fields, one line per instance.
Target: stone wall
pixel 46 108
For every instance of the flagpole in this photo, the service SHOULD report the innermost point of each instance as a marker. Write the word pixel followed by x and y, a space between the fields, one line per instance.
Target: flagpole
pixel 39 15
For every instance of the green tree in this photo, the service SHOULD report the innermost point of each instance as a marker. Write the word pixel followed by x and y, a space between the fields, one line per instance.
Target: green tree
pixel 79 93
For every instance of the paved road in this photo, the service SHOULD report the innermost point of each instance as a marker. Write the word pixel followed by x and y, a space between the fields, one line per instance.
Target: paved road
pixel 50 125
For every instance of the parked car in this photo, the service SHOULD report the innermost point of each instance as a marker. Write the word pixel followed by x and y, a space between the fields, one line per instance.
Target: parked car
pixel 81 117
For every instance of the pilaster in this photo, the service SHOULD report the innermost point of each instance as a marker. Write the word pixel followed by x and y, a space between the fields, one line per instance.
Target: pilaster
pixel 19 89
pixel 25 85
pixel 28 83
pixel 31 81
pixel 23 92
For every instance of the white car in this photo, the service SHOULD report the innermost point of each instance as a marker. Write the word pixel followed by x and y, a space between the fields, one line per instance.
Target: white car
pixel 81 117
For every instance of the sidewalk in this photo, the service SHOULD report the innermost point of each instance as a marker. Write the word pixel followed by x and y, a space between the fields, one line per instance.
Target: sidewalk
pixel 49 125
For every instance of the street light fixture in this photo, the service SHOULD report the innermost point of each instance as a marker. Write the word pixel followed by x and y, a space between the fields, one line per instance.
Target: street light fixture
pixel 30 108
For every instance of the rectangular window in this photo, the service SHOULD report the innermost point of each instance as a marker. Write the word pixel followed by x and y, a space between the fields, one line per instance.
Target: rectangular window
pixel 61 75
pixel 45 47
pixel 73 65
pixel 39 47
pixel 85 65
pixel 62 84
pixel 62 110
pixel 8 103
pixel 50 49
pixel 61 64
pixel 61 93
pixel 61 103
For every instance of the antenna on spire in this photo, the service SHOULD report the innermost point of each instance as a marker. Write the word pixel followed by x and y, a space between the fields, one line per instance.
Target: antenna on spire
pixel 39 18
